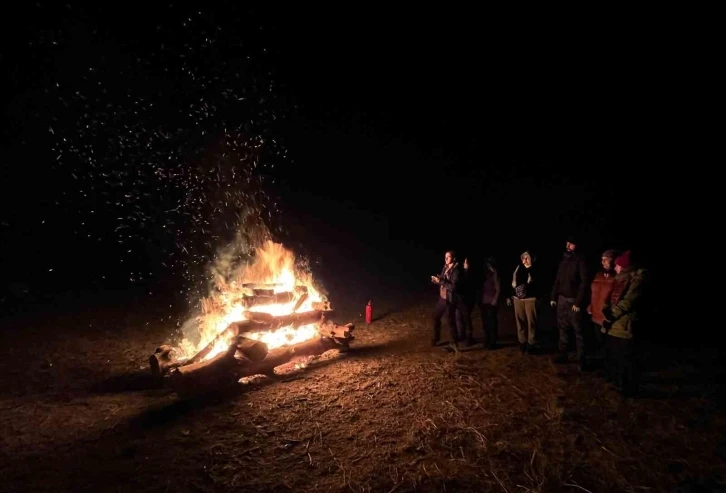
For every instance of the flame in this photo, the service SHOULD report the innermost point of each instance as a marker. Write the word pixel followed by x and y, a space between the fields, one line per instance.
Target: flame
pixel 273 264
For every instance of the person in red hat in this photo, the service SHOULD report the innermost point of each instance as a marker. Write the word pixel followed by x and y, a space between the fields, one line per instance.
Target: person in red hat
pixel 621 318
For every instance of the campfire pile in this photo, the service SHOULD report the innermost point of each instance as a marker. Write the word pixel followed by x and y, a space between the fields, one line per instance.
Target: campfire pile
pixel 251 328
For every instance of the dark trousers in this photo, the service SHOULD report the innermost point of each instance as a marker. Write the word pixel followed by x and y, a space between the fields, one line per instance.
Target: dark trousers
pixel 621 364
pixel 463 320
pixel 445 308
pixel 490 323
pixel 600 340
pixel 566 320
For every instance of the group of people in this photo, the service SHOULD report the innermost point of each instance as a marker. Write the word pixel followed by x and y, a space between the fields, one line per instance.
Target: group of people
pixel 612 299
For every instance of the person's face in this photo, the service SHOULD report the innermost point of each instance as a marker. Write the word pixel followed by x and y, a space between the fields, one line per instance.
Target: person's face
pixel 570 246
pixel 448 259
pixel 618 269
pixel 527 261
pixel 607 263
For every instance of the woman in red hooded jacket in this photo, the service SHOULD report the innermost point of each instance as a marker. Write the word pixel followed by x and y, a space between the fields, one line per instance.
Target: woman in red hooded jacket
pixel 601 289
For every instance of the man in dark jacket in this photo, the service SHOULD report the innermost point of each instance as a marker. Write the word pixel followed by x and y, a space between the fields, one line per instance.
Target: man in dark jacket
pixel 569 295
pixel 450 287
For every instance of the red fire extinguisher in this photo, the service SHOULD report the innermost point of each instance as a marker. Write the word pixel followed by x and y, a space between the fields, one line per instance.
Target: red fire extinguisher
pixel 369 312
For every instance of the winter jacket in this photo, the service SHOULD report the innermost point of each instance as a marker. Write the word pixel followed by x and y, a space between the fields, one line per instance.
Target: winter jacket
pixel 600 291
pixel 572 279
pixel 622 311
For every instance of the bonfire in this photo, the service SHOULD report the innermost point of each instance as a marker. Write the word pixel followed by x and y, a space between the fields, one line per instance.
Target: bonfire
pixel 269 314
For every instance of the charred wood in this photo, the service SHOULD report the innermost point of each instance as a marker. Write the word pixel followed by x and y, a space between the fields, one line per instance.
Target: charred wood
pixel 277 298
pixel 231 331
pixel 293 319
pixel 225 369
pixel 321 305
pixel 163 360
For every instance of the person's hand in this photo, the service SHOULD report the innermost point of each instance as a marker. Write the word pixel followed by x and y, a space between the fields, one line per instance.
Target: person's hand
pixel 553 303
pixel 589 311
pixel 575 308
pixel 509 301
pixel 435 279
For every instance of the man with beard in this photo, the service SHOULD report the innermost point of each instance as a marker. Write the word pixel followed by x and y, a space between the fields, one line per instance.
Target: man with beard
pixel 450 286
pixel 569 296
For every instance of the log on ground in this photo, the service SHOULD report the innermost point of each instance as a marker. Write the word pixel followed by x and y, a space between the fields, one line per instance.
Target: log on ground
pixel 225 369
pixel 232 330
pixel 282 355
pixel 163 360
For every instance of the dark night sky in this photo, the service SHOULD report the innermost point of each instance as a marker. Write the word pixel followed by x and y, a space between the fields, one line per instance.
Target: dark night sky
pixel 396 135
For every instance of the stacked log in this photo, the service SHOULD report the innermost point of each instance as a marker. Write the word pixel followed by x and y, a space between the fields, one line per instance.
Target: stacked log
pixel 244 356
pixel 228 367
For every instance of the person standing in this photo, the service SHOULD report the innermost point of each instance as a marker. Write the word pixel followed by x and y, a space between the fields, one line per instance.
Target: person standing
pixel 450 285
pixel 622 317
pixel 600 291
pixel 489 304
pixel 524 288
pixel 569 296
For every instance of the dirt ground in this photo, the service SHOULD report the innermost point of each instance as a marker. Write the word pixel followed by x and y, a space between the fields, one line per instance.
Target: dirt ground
pixel 80 412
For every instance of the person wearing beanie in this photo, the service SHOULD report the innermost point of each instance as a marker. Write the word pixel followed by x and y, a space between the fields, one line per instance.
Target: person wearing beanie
pixel 600 290
pixel 525 283
pixel 569 296
pixel 621 317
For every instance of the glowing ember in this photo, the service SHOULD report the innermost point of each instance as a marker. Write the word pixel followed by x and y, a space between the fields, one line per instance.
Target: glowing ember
pixel 273 268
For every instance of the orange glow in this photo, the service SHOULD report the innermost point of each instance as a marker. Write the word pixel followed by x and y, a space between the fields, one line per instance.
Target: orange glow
pixel 272 264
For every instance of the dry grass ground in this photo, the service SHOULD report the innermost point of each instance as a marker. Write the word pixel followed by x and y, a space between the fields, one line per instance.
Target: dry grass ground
pixel 78 412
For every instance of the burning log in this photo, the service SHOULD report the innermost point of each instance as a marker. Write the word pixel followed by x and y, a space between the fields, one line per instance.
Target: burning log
pixel 259 292
pixel 321 305
pixel 232 330
pixel 251 349
pixel 299 303
pixel 225 369
pixel 343 332
pixel 163 360
pixel 262 285
pixel 293 319
pixel 276 298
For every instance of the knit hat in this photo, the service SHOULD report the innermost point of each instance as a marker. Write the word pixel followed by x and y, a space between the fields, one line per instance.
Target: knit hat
pixel 623 260
pixel 610 254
